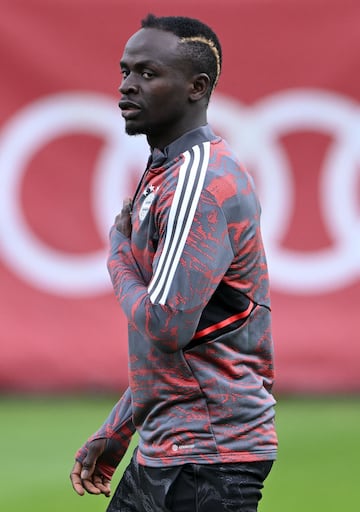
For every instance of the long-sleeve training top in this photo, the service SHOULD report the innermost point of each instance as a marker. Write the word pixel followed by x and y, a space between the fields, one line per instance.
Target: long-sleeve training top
pixel 193 284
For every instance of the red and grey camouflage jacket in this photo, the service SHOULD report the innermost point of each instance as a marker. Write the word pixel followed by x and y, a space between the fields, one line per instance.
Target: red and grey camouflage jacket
pixel 193 284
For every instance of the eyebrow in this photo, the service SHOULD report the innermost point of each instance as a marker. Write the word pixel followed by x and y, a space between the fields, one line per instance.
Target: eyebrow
pixel 141 63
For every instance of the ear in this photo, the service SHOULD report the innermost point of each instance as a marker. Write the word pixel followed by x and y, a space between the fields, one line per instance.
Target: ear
pixel 199 87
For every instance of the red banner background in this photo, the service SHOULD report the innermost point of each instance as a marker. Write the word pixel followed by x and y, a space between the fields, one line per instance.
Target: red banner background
pixel 288 101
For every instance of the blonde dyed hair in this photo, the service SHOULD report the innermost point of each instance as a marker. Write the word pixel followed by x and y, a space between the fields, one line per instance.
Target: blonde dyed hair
pixel 213 48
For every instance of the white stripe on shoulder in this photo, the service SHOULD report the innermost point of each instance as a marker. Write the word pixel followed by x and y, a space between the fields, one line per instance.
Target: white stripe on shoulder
pixel 181 215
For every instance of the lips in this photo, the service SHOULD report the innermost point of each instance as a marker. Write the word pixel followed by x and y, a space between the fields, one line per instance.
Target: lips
pixel 129 109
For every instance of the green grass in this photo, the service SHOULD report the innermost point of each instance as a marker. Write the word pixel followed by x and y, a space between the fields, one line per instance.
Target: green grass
pixel 318 464
pixel 317 469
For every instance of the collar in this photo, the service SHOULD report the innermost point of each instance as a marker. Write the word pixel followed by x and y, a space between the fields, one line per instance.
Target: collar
pixel 180 145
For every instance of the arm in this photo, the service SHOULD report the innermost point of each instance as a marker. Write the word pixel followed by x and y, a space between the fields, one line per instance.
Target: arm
pixel 98 458
pixel 169 315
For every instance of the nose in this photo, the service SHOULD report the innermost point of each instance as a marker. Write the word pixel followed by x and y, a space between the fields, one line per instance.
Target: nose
pixel 128 85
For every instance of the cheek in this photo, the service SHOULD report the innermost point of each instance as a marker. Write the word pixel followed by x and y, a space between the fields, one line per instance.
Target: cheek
pixel 171 100
pixel 171 93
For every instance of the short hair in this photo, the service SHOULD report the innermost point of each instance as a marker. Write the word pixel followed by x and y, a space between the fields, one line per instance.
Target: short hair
pixel 201 45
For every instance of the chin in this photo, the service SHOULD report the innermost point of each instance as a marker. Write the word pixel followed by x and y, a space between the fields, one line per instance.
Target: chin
pixel 133 130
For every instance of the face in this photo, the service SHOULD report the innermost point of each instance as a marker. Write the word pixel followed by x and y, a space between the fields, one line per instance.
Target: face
pixel 155 87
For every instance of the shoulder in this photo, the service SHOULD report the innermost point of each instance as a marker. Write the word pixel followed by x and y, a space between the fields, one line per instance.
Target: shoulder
pixel 226 175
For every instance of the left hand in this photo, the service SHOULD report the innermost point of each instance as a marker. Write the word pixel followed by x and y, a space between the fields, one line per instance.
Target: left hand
pixel 123 220
pixel 86 476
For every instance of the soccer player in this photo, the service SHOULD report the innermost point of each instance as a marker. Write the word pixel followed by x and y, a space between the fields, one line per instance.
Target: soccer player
pixel 188 269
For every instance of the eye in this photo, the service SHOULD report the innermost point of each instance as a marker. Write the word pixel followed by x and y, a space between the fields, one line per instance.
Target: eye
pixel 124 72
pixel 147 74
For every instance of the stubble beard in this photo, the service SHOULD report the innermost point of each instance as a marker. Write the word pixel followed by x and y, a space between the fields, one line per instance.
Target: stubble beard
pixel 132 130
pixel 147 129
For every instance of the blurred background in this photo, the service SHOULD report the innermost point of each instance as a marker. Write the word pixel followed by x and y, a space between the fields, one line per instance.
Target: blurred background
pixel 288 103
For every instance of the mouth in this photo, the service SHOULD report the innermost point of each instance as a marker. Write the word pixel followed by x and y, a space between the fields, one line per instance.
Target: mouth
pixel 129 109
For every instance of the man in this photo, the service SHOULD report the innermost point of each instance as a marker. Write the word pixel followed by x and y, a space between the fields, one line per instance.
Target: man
pixel 188 268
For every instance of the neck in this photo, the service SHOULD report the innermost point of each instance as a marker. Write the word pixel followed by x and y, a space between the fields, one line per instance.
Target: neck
pixel 168 135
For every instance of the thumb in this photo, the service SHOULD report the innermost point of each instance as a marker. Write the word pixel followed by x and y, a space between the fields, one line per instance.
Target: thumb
pixel 96 448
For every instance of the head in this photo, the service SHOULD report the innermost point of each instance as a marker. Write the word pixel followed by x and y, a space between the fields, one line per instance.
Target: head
pixel 170 68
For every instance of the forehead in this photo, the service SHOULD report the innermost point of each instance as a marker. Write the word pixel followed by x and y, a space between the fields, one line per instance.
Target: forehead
pixel 150 44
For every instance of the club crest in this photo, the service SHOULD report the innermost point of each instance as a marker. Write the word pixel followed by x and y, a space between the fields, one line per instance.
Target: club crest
pixel 149 198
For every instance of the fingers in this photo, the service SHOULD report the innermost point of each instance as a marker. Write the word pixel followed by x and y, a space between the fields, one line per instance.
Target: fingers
pixel 90 486
pixel 125 210
pixel 123 219
pixel 103 484
pixel 95 485
pixel 83 476
pixel 127 203
pixel 76 479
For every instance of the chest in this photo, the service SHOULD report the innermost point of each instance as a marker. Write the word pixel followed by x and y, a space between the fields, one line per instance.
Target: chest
pixel 147 227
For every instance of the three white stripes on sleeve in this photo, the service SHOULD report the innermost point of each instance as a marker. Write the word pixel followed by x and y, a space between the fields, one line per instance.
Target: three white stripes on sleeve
pixel 190 184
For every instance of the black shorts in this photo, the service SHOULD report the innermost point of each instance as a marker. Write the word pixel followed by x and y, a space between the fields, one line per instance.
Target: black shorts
pixel 191 488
